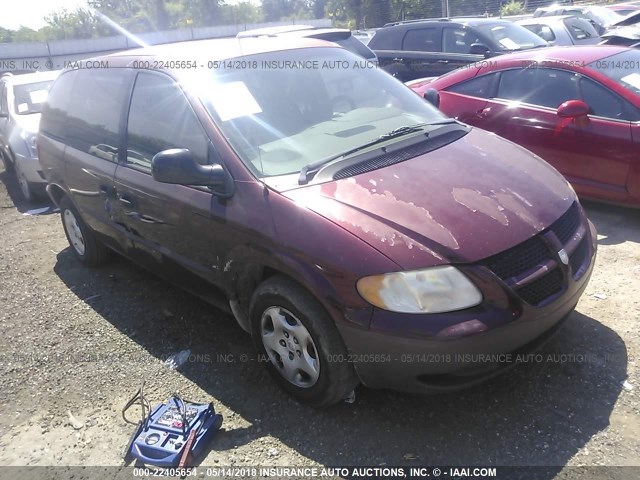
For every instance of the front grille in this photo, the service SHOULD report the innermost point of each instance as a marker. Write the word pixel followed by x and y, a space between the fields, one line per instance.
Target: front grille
pixel 577 259
pixel 567 224
pixel 541 289
pixel 513 265
pixel 519 259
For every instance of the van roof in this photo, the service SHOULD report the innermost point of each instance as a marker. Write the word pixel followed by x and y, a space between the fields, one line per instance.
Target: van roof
pixel 217 49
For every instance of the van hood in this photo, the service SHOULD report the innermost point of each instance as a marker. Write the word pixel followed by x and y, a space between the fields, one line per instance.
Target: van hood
pixel 466 201
pixel 30 122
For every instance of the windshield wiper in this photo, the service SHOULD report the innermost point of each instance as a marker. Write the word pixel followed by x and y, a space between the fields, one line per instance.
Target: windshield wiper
pixel 306 173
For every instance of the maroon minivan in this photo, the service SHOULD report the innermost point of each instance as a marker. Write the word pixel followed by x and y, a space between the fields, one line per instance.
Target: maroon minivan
pixel 356 232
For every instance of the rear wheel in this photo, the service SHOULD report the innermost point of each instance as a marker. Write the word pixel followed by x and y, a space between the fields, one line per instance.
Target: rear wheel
pixel 306 355
pixel 84 244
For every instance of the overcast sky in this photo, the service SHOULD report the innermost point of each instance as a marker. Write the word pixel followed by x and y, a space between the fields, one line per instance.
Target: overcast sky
pixel 31 13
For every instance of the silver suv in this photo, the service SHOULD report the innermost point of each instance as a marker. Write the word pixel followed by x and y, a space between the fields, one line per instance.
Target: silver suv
pixel 341 36
pixel 21 100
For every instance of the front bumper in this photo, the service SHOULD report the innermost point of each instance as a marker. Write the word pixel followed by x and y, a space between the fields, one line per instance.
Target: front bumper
pixel 31 169
pixel 395 354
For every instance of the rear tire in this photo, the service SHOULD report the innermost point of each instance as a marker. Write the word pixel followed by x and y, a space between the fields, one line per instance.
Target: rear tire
pixel 306 354
pixel 84 244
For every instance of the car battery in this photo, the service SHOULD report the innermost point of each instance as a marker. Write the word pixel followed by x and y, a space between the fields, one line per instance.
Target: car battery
pixel 174 431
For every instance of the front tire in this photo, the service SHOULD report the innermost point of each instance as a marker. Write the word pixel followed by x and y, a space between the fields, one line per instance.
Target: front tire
pixel 8 165
pixel 306 354
pixel 26 187
pixel 84 244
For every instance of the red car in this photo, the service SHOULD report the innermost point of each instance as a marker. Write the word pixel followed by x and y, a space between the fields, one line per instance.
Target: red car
pixel 576 107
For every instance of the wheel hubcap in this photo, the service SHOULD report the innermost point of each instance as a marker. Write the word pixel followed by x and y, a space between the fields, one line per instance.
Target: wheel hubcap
pixel 74 232
pixel 290 347
pixel 24 186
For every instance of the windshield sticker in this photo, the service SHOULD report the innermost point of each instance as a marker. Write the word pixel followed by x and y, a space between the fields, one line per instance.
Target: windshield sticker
pixel 22 107
pixel 38 96
pixel 508 43
pixel 633 80
pixel 232 100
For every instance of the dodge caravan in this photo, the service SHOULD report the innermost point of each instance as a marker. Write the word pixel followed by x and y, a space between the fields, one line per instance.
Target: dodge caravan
pixel 358 234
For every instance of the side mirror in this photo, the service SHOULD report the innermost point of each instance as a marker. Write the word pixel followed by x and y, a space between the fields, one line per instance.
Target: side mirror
pixel 479 49
pixel 432 96
pixel 178 166
pixel 573 109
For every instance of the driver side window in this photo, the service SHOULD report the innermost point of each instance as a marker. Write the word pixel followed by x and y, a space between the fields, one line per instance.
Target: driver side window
pixel 160 118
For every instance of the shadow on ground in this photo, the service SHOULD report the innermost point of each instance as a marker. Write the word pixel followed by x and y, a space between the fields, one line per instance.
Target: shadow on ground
pixel 615 224
pixel 540 413
pixel 13 189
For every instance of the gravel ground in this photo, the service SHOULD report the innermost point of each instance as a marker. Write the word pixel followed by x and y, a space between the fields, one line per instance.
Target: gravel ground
pixel 77 342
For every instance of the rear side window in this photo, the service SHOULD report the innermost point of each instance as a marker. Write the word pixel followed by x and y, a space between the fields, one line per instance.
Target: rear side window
pixel 421 40
pixel 95 111
pixel 55 111
pixel 476 87
pixel 160 118
pixel 578 33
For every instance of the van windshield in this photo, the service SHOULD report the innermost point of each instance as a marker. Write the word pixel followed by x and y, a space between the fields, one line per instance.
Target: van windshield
pixel 283 110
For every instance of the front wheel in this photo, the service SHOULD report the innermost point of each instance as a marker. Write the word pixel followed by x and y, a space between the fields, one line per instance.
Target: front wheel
pixel 8 165
pixel 25 186
pixel 84 244
pixel 304 351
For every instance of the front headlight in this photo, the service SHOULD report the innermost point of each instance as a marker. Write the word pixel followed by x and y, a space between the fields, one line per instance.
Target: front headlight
pixel 432 290
pixel 30 140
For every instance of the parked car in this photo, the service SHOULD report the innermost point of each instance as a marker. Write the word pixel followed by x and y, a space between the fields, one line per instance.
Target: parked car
pixel 631 19
pixel 626 32
pixel 357 233
pixel 21 100
pixel 341 36
pixel 424 48
pixel 562 30
pixel 624 9
pixel 600 17
pixel 622 36
pixel 576 107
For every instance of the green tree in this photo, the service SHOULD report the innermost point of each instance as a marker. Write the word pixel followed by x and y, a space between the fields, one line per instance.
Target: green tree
pixel 64 24
pixel 26 34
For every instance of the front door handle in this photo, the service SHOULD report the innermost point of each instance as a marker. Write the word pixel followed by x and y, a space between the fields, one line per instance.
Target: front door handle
pixel 443 61
pixel 125 200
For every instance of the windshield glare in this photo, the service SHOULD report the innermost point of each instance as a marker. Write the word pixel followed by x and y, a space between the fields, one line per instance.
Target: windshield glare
pixel 511 36
pixel 289 109
pixel 616 67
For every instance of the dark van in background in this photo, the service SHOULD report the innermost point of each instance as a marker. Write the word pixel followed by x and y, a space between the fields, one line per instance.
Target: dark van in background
pixel 348 225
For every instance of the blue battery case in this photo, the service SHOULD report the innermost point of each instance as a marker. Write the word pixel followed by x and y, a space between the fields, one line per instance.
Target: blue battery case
pixel 164 435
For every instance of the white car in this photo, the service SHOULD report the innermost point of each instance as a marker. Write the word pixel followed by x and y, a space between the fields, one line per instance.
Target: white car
pixel 21 100
pixel 562 30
